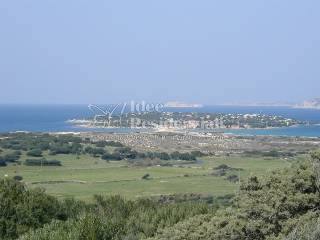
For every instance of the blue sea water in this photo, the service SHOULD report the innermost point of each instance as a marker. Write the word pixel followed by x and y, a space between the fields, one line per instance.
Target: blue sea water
pixel 296 131
pixel 38 118
pixel 52 118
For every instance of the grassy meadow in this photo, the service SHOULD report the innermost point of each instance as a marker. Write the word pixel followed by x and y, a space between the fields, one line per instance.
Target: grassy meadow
pixel 82 176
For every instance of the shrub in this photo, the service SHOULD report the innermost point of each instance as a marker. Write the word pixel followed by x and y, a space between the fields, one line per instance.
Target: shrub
pixel 223 167
pixel 233 178
pixel 197 154
pixel 35 153
pixel 11 157
pixel 146 176
pixel 42 162
pixel 60 149
pixel 112 156
pixel 2 163
pixel 95 151
pixel 18 178
pixel 23 209
pixel 183 156
pixel 114 144
pixel 164 156
pixel 101 144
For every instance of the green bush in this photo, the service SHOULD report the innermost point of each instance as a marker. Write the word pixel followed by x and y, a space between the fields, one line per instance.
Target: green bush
pixel 22 209
pixel 112 156
pixel 2 163
pixel 18 178
pixel 35 153
pixel 146 176
pixel 11 157
pixel 42 162
pixel 95 151
pixel 115 218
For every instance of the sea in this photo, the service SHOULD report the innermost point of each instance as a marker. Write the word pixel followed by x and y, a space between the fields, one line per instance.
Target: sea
pixel 54 118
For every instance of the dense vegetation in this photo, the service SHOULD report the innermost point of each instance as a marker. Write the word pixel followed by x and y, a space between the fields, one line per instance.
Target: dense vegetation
pixel 35 144
pixel 22 209
pixel 283 204
pixel 9 158
pixel 113 217
pixel 42 162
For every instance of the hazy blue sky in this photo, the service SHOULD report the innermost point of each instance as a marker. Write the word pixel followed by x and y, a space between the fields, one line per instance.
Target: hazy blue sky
pixel 64 51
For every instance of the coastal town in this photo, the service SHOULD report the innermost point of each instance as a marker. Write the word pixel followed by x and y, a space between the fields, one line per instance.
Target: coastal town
pixel 186 120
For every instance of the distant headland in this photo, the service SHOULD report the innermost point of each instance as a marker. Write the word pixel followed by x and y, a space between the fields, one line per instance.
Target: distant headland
pixel 313 103
pixel 177 104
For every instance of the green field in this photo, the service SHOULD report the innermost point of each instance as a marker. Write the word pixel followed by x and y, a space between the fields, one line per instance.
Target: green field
pixel 83 176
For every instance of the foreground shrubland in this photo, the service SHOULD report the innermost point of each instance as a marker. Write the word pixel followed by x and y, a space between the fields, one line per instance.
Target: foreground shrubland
pixel 285 204
pixel 31 214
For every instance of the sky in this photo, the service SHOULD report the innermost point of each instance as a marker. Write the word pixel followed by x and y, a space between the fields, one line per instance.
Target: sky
pixel 208 51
